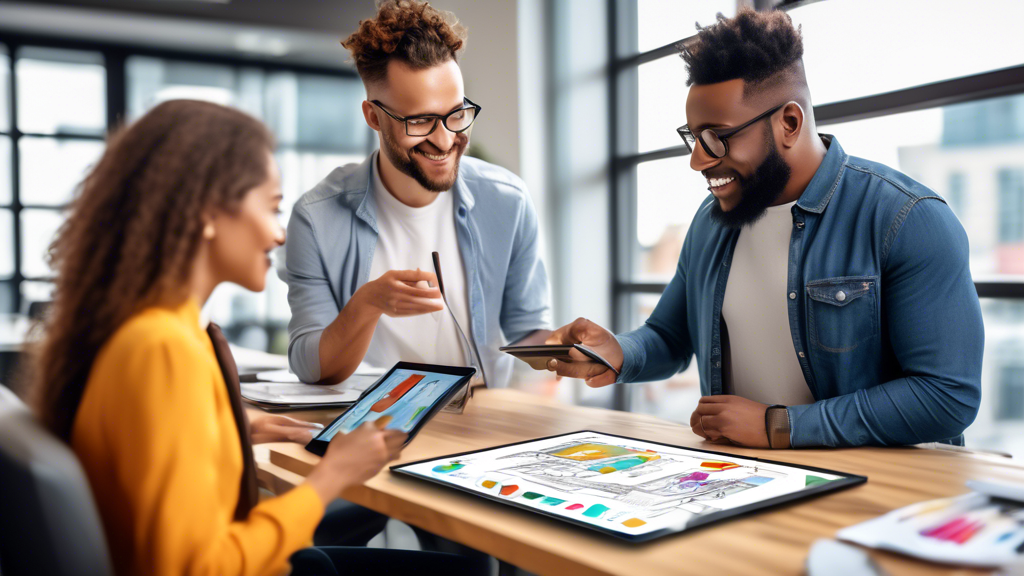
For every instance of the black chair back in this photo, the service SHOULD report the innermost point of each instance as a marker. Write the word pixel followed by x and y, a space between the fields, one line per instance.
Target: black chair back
pixel 48 519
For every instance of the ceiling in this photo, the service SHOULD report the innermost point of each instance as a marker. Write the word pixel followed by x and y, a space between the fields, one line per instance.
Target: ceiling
pixel 294 31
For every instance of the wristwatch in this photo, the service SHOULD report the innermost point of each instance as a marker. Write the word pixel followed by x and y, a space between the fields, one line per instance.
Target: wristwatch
pixel 776 426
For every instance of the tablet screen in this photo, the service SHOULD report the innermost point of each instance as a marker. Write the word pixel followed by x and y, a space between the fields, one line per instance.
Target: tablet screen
pixel 630 488
pixel 403 399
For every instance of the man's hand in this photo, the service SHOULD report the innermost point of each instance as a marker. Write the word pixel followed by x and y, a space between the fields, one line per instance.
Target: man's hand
pixel 732 419
pixel 399 293
pixel 585 332
pixel 278 428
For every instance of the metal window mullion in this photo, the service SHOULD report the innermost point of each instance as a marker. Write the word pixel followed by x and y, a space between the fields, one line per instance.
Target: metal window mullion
pixel 15 134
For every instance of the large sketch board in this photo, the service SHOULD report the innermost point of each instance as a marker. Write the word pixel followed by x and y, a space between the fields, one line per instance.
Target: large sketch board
pixel 633 489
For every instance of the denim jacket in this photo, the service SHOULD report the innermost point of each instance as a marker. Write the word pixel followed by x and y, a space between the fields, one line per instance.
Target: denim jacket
pixel 332 234
pixel 884 316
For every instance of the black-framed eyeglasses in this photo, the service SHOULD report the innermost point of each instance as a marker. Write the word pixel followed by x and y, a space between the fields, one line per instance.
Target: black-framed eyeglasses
pixel 424 124
pixel 715 142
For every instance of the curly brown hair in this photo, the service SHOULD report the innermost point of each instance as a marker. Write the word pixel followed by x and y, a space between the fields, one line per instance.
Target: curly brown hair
pixel 753 46
pixel 133 232
pixel 407 30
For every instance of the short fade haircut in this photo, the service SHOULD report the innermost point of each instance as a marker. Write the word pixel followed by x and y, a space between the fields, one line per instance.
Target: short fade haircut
pixel 752 46
pixel 410 31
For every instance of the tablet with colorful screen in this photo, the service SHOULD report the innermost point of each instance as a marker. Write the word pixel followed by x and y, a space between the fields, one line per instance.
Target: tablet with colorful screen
pixel 633 489
pixel 403 399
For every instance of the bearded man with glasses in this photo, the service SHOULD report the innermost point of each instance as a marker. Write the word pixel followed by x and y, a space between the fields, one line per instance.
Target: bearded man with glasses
pixel 828 299
pixel 358 258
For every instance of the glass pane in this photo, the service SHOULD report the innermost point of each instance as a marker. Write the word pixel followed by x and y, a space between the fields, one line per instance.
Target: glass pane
pixel 668 195
pixel 661 103
pixel 5 90
pixel 661 22
pixel 1000 420
pixel 5 171
pixel 328 113
pixel 301 171
pixel 51 168
pixel 970 153
pixel 61 91
pixel 35 292
pixel 7 303
pixel 673 399
pixel 153 80
pixel 6 244
pixel 38 228
pixel 300 109
pixel 911 43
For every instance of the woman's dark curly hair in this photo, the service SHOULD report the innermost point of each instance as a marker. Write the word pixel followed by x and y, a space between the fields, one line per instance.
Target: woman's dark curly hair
pixel 752 46
pixel 134 229
pixel 408 30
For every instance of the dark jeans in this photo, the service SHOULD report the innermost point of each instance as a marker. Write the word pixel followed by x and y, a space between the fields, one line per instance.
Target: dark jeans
pixel 337 560
pixel 346 525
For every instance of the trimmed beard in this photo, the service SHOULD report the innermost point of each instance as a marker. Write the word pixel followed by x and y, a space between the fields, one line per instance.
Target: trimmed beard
pixel 758 192
pixel 406 165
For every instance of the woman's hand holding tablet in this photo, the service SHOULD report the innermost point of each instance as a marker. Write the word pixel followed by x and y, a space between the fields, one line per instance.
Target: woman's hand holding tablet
pixel 353 458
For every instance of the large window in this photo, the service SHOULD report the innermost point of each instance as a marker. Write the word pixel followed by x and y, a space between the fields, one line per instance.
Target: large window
pixel 949 114
pixel 59 99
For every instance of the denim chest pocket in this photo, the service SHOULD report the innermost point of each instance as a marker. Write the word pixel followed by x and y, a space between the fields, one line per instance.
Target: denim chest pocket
pixel 842 312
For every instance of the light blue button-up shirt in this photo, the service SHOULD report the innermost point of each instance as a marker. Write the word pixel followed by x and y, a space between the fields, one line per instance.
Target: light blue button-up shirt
pixel 332 234
pixel 883 313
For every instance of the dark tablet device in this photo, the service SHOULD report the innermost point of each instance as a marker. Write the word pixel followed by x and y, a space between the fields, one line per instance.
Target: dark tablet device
pixel 537 356
pixel 403 399
pixel 629 488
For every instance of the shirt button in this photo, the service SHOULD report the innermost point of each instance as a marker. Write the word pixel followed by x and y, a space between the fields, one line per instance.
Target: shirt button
pixel 800 354
pixel 841 296
pixel 718 364
pixel 792 295
pixel 799 225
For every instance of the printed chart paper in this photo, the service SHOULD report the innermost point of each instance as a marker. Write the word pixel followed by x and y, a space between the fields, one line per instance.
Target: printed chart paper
pixel 630 488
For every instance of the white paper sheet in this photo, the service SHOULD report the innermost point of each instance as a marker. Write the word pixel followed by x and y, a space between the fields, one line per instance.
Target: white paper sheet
pixel 288 393
pixel 968 530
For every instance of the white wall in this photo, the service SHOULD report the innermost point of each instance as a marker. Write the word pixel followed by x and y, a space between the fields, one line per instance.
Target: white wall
pixel 490 69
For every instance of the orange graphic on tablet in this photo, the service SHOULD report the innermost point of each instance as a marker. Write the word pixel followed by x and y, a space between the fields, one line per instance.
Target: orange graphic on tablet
pixel 396 393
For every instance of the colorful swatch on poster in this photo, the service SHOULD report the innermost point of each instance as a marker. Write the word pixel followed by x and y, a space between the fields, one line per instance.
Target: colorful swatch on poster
pixel 718 465
pixel 449 467
pixel 959 530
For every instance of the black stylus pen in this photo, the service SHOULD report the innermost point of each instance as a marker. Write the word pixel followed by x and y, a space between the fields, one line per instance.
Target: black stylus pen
pixel 440 286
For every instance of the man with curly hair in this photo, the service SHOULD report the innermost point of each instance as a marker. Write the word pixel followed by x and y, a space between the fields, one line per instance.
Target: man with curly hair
pixel 358 260
pixel 828 299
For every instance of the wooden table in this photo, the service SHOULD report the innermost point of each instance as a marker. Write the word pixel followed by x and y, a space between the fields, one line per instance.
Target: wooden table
pixel 775 541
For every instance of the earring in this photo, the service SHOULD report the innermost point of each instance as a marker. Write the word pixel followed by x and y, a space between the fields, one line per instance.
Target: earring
pixel 209 232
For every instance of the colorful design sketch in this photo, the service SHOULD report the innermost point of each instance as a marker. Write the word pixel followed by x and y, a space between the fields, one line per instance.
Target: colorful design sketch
pixel 398 403
pixel 622 485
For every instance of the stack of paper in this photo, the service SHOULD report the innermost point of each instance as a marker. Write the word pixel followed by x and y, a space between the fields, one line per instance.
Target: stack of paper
pixel 282 389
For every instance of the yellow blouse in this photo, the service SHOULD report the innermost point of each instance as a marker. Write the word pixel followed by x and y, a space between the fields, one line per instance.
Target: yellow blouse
pixel 158 441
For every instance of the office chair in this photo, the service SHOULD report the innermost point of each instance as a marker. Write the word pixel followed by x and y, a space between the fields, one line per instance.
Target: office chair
pixel 48 519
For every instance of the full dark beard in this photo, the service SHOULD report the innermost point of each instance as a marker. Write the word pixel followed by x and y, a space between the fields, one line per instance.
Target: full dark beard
pixel 410 168
pixel 759 191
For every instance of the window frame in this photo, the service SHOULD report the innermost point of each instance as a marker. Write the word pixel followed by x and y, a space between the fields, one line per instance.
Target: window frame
pixel 115 57
pixel 623 71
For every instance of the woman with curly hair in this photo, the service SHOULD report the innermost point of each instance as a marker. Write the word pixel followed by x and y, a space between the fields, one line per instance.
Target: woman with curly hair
pixel 183 199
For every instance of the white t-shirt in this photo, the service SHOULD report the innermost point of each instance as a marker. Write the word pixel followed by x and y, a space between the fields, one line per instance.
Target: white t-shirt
pixel 406 238
pixel 763 365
